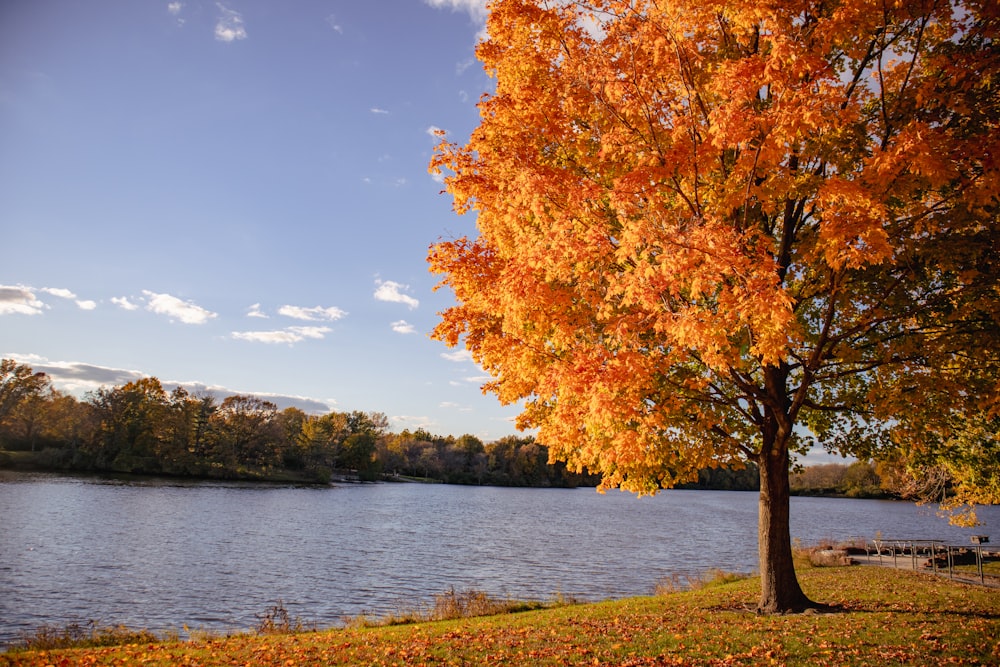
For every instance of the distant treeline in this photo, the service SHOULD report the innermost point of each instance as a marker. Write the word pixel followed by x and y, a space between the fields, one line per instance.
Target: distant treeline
pixel 860 479
pixel 141 428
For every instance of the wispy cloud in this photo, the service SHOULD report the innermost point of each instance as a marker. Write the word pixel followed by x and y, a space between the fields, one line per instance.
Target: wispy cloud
pixel 59 292
pixel 19 300
pixel 255 311
pixel 457 356
pixel 403 327
pixel 63 293
pixel 475 8
pixel 174 8
pixel 451 405
pixel 288 335
pixel 377 110
pixel 315 314
pixel 332 20
pixel 78 378
pixel 123 303
pixel 23 300
pixel 177 309
pixel 229 26
pixel 389 290
pixel 413 422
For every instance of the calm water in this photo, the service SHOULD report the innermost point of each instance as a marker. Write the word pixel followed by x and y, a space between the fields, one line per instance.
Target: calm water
pixel 160 554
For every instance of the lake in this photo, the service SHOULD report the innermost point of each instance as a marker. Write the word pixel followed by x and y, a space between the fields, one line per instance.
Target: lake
pixel 160 554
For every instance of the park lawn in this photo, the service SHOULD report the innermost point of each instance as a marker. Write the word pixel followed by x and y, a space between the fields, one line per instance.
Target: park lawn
pixel 885 617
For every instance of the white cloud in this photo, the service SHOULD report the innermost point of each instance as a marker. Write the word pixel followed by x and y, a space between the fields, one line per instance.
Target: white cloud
pixel 63 293
pixel 123 302
pixel 403 327
pixel 451 405
pixel 315 314
pixel 311 332
pixel 175 10
pixel 475 8
pixel 332 20
pixel 19 300
pixel 413 422
pixel 288 335
pixel 392 291
pixel 78 377
pixel 59 292
pixel 255 311
pixel 457 355
pixel 271 337
pixel 377 110
pixel 174 308
pixel 230 25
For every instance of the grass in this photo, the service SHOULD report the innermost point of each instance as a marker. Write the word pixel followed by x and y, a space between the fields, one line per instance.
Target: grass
pixel 884 616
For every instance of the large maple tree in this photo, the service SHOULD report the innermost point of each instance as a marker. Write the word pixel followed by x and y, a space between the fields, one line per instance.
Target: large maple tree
pixel 717 232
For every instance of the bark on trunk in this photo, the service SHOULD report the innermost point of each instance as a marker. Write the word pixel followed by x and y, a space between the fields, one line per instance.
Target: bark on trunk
pixel 779 587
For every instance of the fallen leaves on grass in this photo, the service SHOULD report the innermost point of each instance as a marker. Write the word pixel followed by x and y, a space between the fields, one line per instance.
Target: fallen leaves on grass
pixel 886 617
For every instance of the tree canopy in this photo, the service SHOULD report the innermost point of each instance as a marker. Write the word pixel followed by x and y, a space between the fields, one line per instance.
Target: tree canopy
pixel 712 232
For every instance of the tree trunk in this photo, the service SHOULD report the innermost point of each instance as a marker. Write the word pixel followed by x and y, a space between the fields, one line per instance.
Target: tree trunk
pixel 779 587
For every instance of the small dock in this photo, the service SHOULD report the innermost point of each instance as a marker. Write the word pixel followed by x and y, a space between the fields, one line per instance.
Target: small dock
pixel 963 563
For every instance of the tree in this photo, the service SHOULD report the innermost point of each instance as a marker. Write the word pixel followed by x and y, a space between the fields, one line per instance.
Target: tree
pixel 960 472
pixel 248 430
pixel 18 382
pixel 30 420
pixel 717 232
pixel 131 417
pixel 321 439
pixel 359 455
pixel 186 436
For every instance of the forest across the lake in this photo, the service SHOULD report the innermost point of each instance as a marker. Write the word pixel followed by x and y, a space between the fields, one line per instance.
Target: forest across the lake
pixel 142 428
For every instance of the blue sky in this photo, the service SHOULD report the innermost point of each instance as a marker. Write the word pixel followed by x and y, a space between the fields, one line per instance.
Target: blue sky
pixel 234 195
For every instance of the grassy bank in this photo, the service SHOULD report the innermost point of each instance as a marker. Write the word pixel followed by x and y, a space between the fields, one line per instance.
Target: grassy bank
pixel 885 617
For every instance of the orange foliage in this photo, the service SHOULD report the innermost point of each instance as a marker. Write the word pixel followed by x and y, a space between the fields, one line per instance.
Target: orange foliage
pixel 701 223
